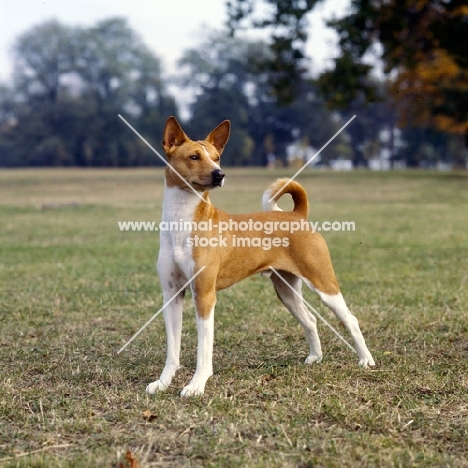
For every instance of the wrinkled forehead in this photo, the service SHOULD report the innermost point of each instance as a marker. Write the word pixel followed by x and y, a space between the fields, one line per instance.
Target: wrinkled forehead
pixel 201 147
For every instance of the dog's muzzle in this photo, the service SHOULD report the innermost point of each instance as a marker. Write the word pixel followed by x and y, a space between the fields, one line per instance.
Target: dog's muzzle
pixel 217 177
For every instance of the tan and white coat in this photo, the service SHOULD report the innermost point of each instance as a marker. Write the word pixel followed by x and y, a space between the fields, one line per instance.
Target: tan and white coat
pixel 305 258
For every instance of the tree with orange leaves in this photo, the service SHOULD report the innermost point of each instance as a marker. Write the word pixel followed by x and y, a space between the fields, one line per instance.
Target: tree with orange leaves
pixel 422 45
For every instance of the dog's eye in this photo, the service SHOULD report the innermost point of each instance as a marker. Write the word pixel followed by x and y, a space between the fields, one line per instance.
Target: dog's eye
pixel 194 157
pixel 217 159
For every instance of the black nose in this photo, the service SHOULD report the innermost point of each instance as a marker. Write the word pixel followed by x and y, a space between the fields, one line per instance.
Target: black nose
pixel 217 176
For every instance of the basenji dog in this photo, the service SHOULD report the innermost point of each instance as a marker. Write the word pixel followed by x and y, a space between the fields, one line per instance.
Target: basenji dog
pixel 193 170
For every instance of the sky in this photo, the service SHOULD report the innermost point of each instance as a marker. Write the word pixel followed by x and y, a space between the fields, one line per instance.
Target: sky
pixel 168 27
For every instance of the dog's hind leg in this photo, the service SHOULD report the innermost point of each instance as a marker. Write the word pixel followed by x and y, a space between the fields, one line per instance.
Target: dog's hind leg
pixel 337 304
pixel 294 304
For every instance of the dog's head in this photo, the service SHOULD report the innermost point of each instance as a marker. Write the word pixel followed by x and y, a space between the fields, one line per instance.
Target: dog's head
pixel 198 162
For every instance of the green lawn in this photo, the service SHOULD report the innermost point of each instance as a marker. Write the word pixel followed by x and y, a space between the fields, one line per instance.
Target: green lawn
pixel 74 289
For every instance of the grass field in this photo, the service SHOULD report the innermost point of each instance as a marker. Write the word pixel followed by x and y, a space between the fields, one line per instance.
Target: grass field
pixel 74 289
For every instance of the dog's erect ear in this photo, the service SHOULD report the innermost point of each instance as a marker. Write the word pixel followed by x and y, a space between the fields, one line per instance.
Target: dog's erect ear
pixel 220 135
pixel 173 134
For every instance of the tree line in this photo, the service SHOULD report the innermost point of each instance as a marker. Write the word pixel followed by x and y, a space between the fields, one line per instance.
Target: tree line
pixel 70 84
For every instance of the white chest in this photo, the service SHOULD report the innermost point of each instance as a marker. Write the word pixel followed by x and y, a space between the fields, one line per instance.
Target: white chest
pixel 179 208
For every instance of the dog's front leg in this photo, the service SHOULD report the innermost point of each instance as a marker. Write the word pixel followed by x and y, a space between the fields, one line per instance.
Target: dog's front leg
pixel 173 322
pixel 205 304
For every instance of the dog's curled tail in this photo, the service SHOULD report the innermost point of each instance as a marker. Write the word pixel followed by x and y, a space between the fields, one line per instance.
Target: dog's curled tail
pixel 281 186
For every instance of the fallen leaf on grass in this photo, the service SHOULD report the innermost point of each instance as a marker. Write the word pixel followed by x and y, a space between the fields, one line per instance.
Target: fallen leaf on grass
pixel 149 415
pixel 265 378
pixel 131 461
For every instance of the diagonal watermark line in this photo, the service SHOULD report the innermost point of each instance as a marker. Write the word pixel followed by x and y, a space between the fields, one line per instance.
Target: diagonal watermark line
pixel 161 309
pixel 164 161
pixel 313 157
pixel 315 312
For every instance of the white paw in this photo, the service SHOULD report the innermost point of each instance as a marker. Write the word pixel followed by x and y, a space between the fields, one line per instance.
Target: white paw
pixel 156 387
pixel 367 361
pixel 192 390
pixel 311 358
